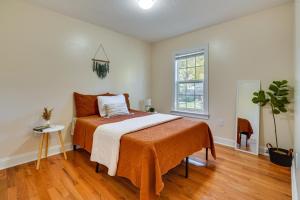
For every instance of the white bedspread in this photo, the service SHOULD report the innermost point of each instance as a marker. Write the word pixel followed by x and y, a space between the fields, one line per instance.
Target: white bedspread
pixel 106 139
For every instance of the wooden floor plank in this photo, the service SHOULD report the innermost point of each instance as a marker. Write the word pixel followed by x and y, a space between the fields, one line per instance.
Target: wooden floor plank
pixel 233 176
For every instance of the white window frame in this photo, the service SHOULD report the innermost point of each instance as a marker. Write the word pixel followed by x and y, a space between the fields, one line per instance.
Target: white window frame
pixel 205 113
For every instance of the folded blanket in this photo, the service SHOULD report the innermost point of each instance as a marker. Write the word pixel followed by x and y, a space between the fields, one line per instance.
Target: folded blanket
pixel 106 139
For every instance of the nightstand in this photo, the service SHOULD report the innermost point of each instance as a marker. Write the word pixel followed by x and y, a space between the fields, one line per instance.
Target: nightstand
pixel 45 139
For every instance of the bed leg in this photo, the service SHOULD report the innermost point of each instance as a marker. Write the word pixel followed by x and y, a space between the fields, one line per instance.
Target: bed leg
pixel 186 167
pixel 97 168
pixel 74 147
pixel 206 156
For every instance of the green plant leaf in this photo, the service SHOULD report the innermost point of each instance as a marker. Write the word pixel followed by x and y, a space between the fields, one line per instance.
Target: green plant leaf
pixel 255 100
pixel 277 83
pixel 282 93
pixel 283 89
pixel 261 93
pixel 271 95
pixel 276 112
pixel 284 82
pixel 264 103
pixel 282 109
pixel 284 100
pixel 260 98
pixel 273 88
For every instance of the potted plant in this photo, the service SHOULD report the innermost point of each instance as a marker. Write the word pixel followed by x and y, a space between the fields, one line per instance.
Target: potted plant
pixel 47 116
pixel 277 98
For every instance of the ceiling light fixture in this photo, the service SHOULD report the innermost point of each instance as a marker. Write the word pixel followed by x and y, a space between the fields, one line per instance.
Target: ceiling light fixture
pixel 146 4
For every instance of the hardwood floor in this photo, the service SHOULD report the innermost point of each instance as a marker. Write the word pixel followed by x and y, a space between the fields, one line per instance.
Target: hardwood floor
pixel 234 175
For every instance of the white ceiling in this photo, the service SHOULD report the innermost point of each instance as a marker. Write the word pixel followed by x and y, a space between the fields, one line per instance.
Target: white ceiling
pixel 167 18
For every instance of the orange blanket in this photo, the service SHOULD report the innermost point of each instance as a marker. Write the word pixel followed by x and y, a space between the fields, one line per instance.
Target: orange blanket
pixel 147 154
pixel 243 125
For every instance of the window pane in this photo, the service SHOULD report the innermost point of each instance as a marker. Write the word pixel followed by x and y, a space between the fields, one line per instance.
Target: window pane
pixel 181 63
pixel 191 73
pixel 181 74
pixel 181 101
pixel 199 73
pixel 199 104
pixel 190 102
pixel 200 60
pixel 198 88
pixel 190 77
pixel 181 88
pixel 191 62
pixel 190 88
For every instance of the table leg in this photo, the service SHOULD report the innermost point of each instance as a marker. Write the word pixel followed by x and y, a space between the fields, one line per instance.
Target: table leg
pixel 97 167
pixel 62 144
pixel 40 152
pixel 47 142
pixel 186 167
pixel 240 140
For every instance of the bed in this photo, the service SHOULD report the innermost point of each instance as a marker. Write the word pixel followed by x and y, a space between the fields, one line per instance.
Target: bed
pixel 147 154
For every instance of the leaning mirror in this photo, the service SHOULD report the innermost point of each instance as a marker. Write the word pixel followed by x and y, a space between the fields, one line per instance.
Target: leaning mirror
pixel 247 117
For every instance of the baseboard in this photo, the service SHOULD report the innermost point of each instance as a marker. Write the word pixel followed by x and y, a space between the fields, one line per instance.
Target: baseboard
pixel 224 141
pixel 231 143
pixel 294 181
pixel 263 151
pixel 12 161
pixel 31 156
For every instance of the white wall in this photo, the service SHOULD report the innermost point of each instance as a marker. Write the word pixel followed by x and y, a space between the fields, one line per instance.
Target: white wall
pixel 45 57
pixel 297 116
pixel 255 47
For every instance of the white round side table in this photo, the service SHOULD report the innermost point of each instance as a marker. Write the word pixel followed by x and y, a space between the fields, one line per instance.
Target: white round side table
pixel 45 138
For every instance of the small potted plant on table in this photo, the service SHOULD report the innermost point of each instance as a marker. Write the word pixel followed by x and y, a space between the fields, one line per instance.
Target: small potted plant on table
pixel 277 98
pixel 47 116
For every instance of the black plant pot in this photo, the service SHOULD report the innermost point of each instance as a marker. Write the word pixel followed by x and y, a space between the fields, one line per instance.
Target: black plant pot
pixel 284 158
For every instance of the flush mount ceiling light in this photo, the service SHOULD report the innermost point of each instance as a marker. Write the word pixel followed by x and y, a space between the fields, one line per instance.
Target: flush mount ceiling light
pixel 146 4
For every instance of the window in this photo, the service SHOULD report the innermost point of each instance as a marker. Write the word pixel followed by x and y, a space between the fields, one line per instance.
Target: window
pixel 191 82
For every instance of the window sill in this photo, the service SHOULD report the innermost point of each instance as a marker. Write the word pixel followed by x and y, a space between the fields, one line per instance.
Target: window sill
pixel 190 114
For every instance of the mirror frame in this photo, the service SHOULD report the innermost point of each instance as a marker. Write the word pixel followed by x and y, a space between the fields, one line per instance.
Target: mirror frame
pixel 236 119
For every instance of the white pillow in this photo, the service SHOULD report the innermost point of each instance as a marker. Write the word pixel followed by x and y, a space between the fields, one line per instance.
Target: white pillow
pixel 116 109
pixel 103 100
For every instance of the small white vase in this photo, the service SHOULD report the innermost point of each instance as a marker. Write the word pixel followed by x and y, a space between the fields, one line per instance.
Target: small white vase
pixel 47 123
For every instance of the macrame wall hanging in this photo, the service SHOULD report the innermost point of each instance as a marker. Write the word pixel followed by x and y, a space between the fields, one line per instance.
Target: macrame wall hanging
pixel 101 67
